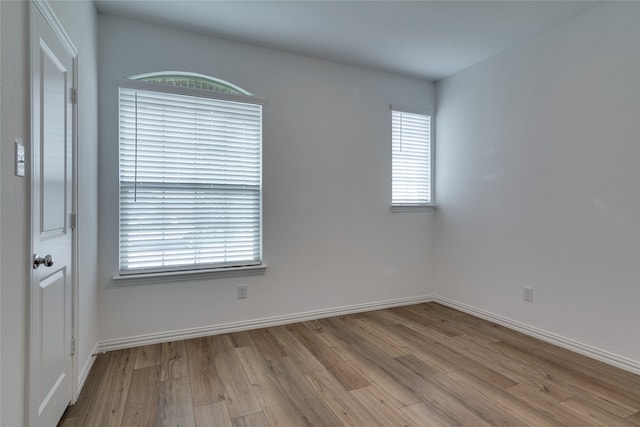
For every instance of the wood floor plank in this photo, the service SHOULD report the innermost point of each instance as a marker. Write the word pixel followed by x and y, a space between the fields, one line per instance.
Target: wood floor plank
pixel 592 387
pixel 634 419
pixel 473 399
pixel 449 312
pixel 607 403
pixel 212 414
pixel 616 376
pixel 503 400
pixel 252 420
pixel 442 328
pixel 436 313
pixel 533 398
pixel 596 416
pixel 422 352
pixel 550 353
pixel 296 351
pixel 206 385
pixel 274 402
pixel 349 377
pixel 349 410
pixel 98 372
pixel 381 408
pixel 107 409
pixel 72 422
pixel 460 361
pixel 175 405
pixel 301 393
pixel 422 342
pixel 386 317
pixel 377 335
pixel 241 339
pixel 173 361
pixel 422 414
pixel 141 408
pixel 513 368
pixel 267 344
pixel 238 392
pixel 480 392
pixel 148 355
pixel 486 328
pixel 450 409
pixel 611 382
pixel 395 392
pixel 415 365
pixel 389 367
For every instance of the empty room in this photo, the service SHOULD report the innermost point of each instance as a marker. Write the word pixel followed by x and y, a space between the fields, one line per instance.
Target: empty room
pixel 319 213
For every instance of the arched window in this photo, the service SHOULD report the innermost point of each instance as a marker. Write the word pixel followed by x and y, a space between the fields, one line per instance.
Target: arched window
pixel 190 80
pixel 190 174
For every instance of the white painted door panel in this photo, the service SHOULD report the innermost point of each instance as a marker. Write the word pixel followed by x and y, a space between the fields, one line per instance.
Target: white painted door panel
pixel 52 78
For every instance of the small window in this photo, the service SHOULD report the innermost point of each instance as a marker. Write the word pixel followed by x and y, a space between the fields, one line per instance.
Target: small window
pixel 411 160
pixel 190 174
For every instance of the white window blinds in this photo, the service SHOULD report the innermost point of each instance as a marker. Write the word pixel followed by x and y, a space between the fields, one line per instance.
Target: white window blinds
pixel 190 181
pixel 411 159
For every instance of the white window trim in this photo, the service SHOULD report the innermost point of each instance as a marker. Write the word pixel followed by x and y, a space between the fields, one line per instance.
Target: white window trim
pixel 420 207
pixel 178 276
pixel 413 208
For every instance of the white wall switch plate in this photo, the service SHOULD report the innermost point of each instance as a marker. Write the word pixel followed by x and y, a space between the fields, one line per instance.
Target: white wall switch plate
pixel 20 159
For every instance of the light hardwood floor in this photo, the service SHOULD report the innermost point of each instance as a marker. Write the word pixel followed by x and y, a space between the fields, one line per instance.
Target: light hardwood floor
pixel 421 365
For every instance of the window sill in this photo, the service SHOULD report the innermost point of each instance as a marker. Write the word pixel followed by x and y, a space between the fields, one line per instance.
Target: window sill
pixel 413 208
pixel 172 276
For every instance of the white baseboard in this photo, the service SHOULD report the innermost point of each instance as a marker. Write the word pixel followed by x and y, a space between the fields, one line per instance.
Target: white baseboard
pixel 560 341
pixel 84 372
pixel 140 340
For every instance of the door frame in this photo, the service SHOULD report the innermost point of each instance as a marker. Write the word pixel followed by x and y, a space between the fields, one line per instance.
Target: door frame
pixel 1 139
pixel 44 8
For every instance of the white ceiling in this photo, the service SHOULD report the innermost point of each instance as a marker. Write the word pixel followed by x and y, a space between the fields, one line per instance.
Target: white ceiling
pixel 426 39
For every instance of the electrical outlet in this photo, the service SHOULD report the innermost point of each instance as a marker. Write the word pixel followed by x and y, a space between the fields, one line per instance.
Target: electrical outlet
pixel 242 291
pixel 528 294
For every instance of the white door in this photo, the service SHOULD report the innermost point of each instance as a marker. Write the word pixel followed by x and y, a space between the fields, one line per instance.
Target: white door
pixel 52 128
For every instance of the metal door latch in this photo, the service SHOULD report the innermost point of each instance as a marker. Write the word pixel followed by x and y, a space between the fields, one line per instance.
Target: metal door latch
pixel 37 260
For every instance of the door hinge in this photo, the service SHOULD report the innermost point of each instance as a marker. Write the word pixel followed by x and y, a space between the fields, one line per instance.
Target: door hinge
pixel 73 345
pixel 74 96
pixel 73 221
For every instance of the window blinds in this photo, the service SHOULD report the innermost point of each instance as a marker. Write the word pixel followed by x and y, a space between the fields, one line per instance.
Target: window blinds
pixel 411 159
pixel 190 182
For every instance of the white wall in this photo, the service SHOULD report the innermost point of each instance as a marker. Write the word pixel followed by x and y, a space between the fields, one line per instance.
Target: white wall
pixel 329 237
pixel 79 19
pixel 537 181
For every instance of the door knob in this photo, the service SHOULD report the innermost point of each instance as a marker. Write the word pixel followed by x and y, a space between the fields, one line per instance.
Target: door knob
pixel 37 260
